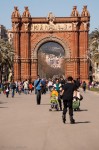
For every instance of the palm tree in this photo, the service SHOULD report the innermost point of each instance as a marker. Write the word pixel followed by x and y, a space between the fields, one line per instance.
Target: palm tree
pixel 6 57
pixel 94 50
pixel 94 44
pixel 94 40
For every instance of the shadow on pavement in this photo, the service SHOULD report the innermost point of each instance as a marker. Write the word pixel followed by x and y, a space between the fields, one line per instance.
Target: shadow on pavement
pixel 44 104
pixel 81 110
pixel 3 102
pixel 3 107
pixel 82 122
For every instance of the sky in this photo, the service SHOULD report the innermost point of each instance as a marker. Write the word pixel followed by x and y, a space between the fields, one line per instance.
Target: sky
pixel 41 8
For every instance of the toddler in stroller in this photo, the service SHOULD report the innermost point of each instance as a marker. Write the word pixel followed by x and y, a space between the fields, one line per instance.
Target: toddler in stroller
pixel 54 100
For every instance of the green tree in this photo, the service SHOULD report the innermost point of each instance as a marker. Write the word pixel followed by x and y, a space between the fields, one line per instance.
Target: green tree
pixel 6 58
pixel 94 46
pixel 94 41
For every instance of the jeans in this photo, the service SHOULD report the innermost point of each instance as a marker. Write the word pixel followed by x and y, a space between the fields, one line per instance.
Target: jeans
pixel 13 90
pixel 26 91
pixel 38 97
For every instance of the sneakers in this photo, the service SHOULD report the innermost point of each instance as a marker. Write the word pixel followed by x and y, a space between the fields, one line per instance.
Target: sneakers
pixel 72 121
pixel 63 118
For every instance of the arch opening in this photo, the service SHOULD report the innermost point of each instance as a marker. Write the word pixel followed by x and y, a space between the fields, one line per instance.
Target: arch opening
pixel 51 60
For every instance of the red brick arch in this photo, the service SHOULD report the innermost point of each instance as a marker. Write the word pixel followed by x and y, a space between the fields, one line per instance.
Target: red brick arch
pixel 70 32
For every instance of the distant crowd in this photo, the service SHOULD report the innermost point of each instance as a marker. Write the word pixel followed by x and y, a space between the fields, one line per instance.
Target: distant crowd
pixel 64 93
pixel 27 86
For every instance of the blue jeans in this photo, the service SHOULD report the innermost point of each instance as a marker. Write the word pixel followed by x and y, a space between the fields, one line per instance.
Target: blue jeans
pixel 38 97
pixel 13 90
pixel 26 91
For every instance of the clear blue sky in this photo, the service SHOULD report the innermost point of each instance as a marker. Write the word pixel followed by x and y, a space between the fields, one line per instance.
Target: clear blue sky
pixel 41 8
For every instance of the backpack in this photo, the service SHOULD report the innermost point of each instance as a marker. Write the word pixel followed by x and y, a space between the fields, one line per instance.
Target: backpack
pixel 30 86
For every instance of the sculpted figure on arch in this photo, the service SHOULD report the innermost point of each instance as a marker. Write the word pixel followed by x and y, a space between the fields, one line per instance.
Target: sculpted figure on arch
pixel 26 12
pixel 16 12
pixel 85 12
pixel 75 12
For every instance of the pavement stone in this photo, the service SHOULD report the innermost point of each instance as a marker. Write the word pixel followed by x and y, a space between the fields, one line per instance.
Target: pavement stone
pixel 24 125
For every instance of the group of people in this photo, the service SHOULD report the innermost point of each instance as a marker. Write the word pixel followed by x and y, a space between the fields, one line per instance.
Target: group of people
pixel 63 90
pixel 16 87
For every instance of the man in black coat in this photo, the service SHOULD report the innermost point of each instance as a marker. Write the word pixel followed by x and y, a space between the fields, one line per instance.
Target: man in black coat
pixel 68 89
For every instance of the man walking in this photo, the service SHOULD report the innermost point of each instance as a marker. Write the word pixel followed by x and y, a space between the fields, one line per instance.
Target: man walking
pixel 68 90
pixel 37 85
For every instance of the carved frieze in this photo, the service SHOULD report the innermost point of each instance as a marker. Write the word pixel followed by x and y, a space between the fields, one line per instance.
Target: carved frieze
pixel 51 26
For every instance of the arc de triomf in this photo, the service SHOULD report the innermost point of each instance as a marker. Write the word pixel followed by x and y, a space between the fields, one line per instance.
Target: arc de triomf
pixel 29 33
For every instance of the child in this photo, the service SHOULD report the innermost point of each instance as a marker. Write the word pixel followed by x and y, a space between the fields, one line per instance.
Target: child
pixel 7 91
pixel 54 99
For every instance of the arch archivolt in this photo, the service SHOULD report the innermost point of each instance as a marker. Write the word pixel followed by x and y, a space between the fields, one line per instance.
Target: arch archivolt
pixel 50 39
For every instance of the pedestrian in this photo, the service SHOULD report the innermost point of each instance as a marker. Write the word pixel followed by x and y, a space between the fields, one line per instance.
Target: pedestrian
pixel 77 83
pixel 13 87
pixel 68 90
pixel 50 84
pixel 37 85
pixel 30 87
pixel 7 90
pixel 26 85
pixel 19 87
pixel 0 87
pixel 84 86
pixel 43 86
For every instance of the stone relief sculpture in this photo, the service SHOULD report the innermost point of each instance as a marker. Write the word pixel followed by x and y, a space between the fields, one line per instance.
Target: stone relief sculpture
pixel 75 25
pixel 16 12
pixel 85 12
pixel 85 25
pixel 51 19
pixel 26 26
pixel 15 26
pixel 26 13
pixel 75 13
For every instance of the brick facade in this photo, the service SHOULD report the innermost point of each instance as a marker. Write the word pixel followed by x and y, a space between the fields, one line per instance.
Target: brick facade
pixel 70 32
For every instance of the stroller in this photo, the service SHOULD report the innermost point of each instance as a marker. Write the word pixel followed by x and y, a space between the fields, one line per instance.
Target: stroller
pixel 76 101
pixel 76 104
pixel 54 103
pixel 54 100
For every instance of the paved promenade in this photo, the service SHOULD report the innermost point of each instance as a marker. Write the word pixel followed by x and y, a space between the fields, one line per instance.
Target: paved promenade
pixel 27 126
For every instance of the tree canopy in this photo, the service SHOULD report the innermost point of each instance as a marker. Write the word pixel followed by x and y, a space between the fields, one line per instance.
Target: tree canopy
pixel 94 45
pixel 6 57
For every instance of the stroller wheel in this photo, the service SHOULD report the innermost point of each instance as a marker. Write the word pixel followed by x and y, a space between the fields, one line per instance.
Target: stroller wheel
pixel 75 109
pixel 50 109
